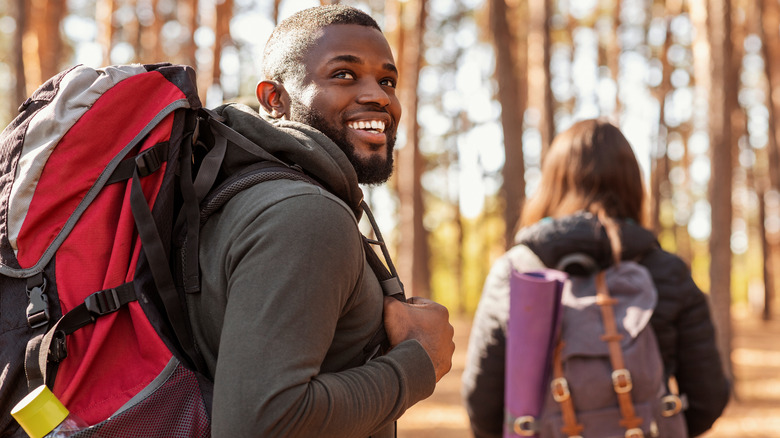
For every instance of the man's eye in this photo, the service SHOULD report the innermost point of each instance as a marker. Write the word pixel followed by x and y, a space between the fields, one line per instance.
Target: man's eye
pixel 388 82
pixel 344 75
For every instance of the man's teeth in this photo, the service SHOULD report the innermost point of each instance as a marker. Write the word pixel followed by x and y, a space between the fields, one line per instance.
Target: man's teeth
pixel 370 125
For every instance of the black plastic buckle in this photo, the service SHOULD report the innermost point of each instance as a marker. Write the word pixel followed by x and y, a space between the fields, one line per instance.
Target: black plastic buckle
pixel 103 302
pixel 38 307
pixel 148 161
pixel 58 350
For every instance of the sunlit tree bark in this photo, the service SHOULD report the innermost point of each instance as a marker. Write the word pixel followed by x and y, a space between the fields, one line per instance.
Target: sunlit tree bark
pixel 609 48
pixel 188 14
pixel 20 90
pixel 222 37
pixel 769 11
pixel 275 11
pixel 104 17
pixel 659 179
pixel 151 27
pixel 413 253
pixel 539 92
pixel 512 95
pixel 42 44
pixel 723 81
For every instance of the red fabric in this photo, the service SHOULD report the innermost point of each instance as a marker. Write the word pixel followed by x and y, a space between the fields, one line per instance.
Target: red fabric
pixel 110 361
pixel 84 152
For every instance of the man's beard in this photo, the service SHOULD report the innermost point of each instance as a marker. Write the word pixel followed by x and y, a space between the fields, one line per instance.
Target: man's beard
pixel 371 171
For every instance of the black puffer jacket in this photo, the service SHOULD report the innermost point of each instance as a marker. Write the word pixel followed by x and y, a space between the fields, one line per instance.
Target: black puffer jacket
pixel 681 320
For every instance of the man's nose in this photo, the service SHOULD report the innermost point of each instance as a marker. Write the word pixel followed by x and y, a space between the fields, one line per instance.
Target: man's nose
pixel 372 92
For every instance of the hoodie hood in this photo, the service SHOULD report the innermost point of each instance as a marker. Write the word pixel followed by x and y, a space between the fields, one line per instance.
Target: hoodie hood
pixel 295 144
pixel 552 239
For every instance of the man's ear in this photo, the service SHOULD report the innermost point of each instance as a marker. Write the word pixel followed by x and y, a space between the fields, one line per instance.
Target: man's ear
pixel 274 99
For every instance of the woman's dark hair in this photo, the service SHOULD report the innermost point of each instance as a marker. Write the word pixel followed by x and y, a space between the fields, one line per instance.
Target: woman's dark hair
pixel 589 167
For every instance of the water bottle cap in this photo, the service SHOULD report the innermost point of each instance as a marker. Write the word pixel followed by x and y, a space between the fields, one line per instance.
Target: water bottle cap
pixel 39 412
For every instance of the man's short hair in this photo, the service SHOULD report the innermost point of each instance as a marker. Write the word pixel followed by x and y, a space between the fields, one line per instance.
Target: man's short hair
pixel 290 41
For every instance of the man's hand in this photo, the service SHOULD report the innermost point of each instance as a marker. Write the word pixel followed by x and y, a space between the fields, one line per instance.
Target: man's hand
pixel 425 321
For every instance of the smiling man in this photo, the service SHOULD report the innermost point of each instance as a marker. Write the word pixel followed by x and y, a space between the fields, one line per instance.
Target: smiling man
pixel 291 312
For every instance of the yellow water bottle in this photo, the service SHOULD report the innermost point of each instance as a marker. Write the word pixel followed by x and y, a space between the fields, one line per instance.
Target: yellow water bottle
pixel 41 415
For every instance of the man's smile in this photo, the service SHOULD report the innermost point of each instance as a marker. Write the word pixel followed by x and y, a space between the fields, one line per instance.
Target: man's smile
pixel 368 125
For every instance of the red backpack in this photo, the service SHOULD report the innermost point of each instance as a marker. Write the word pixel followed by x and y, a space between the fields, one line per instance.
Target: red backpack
pixel 106 178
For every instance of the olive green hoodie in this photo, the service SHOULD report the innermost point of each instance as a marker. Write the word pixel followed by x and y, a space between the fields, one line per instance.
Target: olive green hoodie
pixel 288 301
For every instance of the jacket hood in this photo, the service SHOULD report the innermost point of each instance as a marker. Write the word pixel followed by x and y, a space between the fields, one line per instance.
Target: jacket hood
pixel 552 239
pixel 296 143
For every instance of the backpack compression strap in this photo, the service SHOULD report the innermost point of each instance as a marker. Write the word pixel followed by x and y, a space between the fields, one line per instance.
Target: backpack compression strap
pixel 51 346
pixel 621 377
pixel 560 393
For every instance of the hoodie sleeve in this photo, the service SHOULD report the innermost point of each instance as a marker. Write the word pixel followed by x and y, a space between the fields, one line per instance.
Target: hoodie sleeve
pixel 299 306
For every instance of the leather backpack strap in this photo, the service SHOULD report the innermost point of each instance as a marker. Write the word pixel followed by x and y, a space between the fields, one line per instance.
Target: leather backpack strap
pixel 621 377
pixel 561 394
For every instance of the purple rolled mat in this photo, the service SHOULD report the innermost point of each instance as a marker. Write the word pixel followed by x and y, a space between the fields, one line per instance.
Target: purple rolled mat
pixel 534 320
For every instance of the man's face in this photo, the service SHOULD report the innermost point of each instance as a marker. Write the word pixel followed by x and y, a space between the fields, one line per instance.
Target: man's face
pixel 348 93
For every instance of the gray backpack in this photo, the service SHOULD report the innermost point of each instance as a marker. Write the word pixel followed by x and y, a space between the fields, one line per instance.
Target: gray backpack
pixel 607 378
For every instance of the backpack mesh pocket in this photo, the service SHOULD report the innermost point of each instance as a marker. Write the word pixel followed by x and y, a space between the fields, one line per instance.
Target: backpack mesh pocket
pixel 173 409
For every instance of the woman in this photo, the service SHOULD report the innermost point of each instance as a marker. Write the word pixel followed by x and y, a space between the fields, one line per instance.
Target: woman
pixel 592 181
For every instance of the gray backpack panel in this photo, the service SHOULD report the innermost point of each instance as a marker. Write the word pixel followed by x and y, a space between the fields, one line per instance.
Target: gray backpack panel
pixel 586 362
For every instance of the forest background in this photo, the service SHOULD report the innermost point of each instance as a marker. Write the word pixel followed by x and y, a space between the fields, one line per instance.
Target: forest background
pixel 485 86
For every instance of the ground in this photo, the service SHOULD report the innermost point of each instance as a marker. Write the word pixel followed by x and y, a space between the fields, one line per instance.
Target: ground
pixel 754 411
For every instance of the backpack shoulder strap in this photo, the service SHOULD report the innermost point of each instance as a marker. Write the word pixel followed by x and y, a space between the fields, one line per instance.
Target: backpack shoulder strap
pixel 274 170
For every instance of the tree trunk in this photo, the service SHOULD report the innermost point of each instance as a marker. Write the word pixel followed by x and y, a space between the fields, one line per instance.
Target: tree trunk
pixel 766 251
pixel 20 91
pixel 188 14
pixel 770 14
pixel 769 11
pixel 539 92
pixel 720 189
pixel 659 178
pixel 275 11
pixel 104 16
pixel 222 37
pixel 512 96
pixel 609 50
pixel 50 42
pixel 413 263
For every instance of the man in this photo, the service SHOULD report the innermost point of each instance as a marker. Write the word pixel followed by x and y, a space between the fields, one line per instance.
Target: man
pixel 288 300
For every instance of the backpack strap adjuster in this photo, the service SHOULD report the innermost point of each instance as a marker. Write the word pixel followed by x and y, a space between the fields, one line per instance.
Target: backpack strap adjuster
pixel 560 389
pixel 38 307
pixel 103 302
pixel 635 433
pixel 621 381
pixel 58 350
pixel 148 161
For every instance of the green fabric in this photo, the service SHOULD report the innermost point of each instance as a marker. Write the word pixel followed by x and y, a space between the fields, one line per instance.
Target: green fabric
pixel 288 301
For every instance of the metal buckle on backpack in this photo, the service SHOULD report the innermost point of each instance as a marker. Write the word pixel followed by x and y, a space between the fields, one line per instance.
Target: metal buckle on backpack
pixel 525 426
pixel 103 302
pixel 671 405
pixel 621 381
pixel 560 389
pixel 635 433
